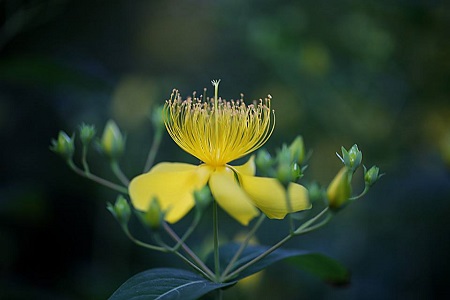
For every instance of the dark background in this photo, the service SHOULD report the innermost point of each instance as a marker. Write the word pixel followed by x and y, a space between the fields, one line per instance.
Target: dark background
pixel 375 73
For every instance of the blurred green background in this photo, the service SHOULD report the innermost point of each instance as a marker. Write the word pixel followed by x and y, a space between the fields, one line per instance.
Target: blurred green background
pixel 375 73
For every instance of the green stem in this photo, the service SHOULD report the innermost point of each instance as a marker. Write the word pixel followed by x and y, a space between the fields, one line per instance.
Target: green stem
pixel 305 227
pixel 188 232
pixel 115 167
pixel 154 149
pixel 216 240
pixel 194 257
pixel 218 294
pixel 259 257
pixel 97 179
pixel 366 189
pixel 238 253
pixel 315 227
pixel 84 159
pixel 140 243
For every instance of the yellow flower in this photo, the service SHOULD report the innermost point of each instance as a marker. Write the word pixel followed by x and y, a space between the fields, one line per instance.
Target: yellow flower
pixel 217 132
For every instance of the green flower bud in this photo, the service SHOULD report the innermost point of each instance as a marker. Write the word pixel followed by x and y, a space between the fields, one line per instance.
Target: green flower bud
pixel 63 146
pixel 284 172
pixel 112 142
pixel 264 161
pixel 297 149
pixel 316 192
pixel 120 210
pixel 352 158
pixel 372 175
pixel 202 198
pixel 153 217
pixel 87 133
pixel 340 189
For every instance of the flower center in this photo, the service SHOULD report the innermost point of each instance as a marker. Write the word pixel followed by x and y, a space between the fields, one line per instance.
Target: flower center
pixel 217 131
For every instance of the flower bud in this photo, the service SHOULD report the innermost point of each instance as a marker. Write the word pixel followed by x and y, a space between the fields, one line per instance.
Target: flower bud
pixel 202 198
pixel 112 143
pixel 120 210
pixel 371 176
pixel 284 172
pixel 87 133
pixel 63 146
pixel 340 189
pixel 264 161
pixel 352 158
pixel 297 149
pixel 316 192
pixel 153 217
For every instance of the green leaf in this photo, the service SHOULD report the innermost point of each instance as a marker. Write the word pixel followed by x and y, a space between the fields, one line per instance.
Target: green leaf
pixel 317 264
pixel 323 267
pixel 166 284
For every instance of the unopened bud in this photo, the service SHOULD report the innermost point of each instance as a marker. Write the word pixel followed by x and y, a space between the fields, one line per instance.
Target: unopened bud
pixel 351 158
pixel 264 161
pixel 87 133
pixel 112 143
pixel 284 172
pixel 202 198
pixel 372 175
pixel 63 146
pixel 153 217
pixel 340 189
pixel 120 210
pixel 297 149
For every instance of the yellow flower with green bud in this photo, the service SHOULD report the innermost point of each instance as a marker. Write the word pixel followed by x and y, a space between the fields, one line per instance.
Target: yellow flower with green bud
pixel 217 132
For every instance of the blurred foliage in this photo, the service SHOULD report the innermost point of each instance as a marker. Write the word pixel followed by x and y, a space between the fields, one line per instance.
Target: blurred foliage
pixel 375 73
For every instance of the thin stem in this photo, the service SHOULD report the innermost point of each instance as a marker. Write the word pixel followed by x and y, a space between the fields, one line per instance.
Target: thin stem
pixel 140 243
pixel 97 179
pixel 261 256
pixel 301 230
pixel 216 240
pixel 188 232
pixel 311 221
pixel 366 189
pixel 196 259
pixel 238 253
pixel 154 149
pixel 164 248
pixel 317 226
pixel 218 294
pixel 118 172
pixel 190 263
pixel 84 159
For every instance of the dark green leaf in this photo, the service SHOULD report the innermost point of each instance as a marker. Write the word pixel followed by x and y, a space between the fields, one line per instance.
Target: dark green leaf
pixel 317 264
pixel 323 267
pixel 166 284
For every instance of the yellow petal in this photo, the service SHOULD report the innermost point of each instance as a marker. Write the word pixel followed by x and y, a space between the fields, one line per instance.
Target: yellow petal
pixel 172 167
pixel 172 185
pixel 248 168
pixel 270 196
pixel 230 196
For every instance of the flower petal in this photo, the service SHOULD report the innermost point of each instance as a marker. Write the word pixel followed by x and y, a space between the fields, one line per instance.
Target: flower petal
pixel 230 196
pixel 269 195
pixel 172 167
pixel 248 168
pixel 172 184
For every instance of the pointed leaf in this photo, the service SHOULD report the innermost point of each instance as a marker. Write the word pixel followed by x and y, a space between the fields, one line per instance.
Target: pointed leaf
pixel 323 267
pixel 166 284
pixel 317 264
